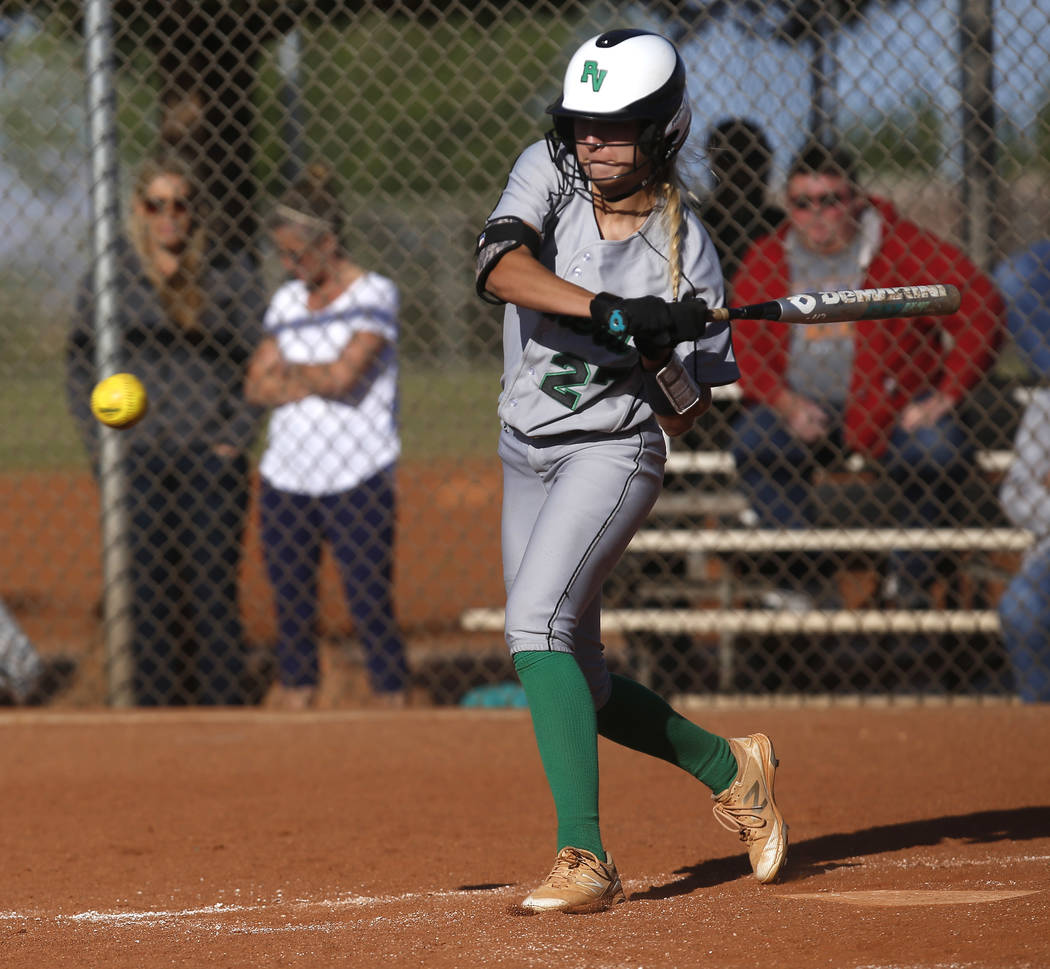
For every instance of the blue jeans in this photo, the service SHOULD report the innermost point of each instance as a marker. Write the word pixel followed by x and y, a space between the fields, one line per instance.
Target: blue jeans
pixel 359 526
pixel 187 510
pixel 927 468
pixel 1024 612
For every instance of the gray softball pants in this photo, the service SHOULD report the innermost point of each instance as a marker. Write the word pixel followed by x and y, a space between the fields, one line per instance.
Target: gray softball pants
pixel 571 505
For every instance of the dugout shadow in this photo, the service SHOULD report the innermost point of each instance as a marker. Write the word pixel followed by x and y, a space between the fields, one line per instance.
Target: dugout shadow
pixel 817 856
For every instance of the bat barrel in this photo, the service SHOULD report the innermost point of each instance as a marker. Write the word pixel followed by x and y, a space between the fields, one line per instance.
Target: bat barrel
pixel 850 304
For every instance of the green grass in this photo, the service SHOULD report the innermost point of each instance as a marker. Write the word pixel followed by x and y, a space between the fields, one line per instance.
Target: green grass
pixel 431 105
pixel 445 414
pixel 38 433
pixel 449 413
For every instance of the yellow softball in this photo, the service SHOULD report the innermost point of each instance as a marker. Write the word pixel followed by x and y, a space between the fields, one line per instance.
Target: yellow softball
pixel 120 400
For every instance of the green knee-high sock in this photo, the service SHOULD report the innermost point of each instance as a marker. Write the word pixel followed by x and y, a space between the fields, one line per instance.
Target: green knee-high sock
pixel 567 737
pixel 640 719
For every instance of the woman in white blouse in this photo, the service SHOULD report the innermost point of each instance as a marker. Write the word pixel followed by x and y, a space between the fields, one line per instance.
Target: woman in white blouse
pixel 328 367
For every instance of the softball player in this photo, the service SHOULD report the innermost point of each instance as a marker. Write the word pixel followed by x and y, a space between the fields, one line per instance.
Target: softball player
pixel 604 271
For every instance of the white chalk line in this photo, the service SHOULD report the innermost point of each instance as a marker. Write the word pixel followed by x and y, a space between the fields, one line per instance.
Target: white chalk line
pixel 223 911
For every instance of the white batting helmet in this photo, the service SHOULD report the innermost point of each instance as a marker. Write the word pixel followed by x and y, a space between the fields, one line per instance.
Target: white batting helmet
pixel 627 75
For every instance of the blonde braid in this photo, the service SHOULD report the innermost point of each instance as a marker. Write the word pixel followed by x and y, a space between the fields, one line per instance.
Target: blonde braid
pixel 674 225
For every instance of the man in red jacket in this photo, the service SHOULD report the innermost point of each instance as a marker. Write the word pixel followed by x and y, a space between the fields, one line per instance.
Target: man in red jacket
pixel 884 389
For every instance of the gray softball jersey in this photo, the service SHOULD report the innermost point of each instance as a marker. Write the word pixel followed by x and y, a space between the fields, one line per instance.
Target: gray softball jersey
pixel 556 376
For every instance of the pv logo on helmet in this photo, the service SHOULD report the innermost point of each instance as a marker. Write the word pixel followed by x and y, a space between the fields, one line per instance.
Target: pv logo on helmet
pixel 590 70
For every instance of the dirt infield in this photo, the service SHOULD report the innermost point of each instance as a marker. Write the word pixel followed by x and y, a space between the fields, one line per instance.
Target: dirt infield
pixel 920 839
pixel 447 560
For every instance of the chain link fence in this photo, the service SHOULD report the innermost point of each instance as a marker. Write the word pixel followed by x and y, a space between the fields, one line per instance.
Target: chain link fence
pixel 158 566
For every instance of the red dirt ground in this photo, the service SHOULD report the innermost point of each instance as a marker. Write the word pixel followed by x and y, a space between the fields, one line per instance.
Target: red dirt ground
pixel 134 840
pixel 447 558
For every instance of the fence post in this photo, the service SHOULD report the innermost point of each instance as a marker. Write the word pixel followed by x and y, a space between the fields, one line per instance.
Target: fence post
pixel 98 34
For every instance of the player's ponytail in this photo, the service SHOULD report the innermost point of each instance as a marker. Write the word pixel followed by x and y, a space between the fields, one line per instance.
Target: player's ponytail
pixel 674 225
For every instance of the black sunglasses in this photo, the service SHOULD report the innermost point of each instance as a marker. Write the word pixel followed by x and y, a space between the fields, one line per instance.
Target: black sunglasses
pixel 178 206
pixel 826 201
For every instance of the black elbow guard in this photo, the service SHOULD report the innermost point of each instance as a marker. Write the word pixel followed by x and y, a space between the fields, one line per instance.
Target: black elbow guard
pixel 498 238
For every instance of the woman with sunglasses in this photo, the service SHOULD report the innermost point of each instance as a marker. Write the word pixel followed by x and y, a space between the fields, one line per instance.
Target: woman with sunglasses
pixel 328 367
pixel 187 325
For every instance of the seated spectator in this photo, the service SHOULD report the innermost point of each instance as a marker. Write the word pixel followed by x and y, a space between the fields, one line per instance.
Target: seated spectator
pixel 1024 280
pixel 188 319
pixel 736 211
pixel 1024 609
pixel 26 677
pixel 885 389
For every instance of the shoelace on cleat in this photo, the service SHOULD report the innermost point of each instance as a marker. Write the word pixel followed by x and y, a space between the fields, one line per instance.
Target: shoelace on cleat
pixel 561 874
pixel 742 820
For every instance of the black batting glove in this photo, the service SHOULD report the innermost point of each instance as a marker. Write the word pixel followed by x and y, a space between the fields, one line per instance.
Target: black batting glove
pixel 688 319
pixel 655 324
